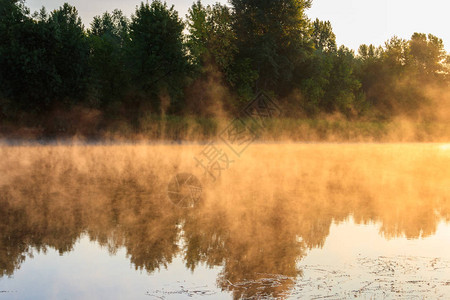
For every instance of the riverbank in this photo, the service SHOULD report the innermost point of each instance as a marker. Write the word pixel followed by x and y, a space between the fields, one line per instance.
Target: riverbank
pixel 174 129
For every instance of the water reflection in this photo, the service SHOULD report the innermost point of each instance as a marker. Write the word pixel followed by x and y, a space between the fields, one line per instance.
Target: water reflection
pixel 257 222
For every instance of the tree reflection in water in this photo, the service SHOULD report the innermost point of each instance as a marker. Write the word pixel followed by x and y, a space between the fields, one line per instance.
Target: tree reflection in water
pixel 257 222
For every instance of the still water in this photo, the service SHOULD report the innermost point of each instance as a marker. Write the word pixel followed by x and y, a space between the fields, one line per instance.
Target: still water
pixel 282 221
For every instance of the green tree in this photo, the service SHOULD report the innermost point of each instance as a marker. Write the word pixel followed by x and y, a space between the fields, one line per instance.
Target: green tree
pixel 343 91
pixel 108 37
pixel 393 78
pixel 157 57
pixel 70 53
pixel 366 52
pixel 328 80
pixel 314 76
pixel 43 58
pixel 381 70
pixel 211 38
pixel 370 71
pixel 428 56
pixel 22 59
pixel 275 37
pixel 323 36
pixel 199 29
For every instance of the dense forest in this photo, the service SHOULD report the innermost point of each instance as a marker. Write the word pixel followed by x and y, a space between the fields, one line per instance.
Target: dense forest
pixel 61 77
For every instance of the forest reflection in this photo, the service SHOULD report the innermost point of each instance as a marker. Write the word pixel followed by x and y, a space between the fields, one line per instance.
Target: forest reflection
pixel 258 220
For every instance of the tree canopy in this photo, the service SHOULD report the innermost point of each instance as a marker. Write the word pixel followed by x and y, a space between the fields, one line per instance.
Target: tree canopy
pixel 146 63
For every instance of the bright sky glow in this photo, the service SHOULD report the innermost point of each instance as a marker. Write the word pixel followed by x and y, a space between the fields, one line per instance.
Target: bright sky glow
pixel 354 21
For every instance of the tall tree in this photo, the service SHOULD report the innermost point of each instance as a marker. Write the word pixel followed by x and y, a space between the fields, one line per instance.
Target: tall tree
pixel 199 31
pixel 44 59
pixel 328 80
pixel 343 91
pixel 429 56
pixel 274 36
pixel 211 39
pixel 108 36
pixel 323 36
pixel 16 27
pixel 157 56
pixel 70 54
pixel 393 77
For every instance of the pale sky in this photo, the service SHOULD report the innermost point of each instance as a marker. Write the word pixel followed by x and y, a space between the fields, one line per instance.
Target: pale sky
pixel 354 21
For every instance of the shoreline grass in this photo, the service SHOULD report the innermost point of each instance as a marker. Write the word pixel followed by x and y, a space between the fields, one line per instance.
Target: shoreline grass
pixel 195 129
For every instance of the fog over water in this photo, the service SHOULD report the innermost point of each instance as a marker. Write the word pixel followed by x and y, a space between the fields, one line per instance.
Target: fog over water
pixel 284 220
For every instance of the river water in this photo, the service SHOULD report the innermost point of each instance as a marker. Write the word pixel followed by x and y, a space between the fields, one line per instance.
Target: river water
pixel 271 221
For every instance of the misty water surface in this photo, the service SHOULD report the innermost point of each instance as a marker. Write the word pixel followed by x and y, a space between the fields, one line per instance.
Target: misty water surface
pixel 284 221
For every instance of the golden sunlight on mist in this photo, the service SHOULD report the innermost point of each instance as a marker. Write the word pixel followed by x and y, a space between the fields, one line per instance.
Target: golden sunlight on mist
pixel 445 147
pixel 259 217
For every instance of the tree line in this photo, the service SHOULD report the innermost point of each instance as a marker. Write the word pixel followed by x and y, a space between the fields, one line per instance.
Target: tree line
pixel 156 62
